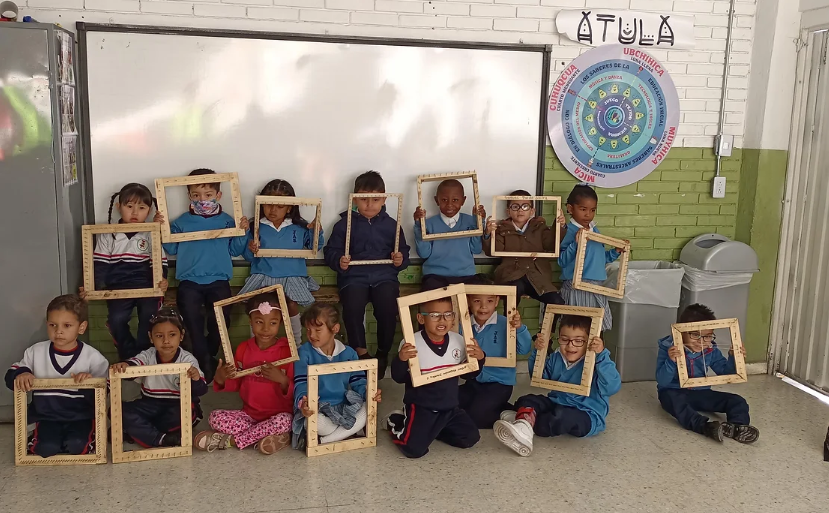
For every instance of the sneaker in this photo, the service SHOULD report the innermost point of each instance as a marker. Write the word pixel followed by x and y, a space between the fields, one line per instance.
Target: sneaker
pixel 171 440
pixel 713 429
pixel 211 440
pixel 508 415
pixel 517 435
pixel 742 433
pixel 826 447
pixel 273 443
pixel 394 420
pixel 382 364
pixel 365 356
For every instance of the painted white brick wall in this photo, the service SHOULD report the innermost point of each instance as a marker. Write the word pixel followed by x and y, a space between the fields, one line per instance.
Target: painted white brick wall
pixel 697 73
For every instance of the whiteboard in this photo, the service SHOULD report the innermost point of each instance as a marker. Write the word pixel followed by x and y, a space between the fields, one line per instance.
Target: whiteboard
pixel 315 113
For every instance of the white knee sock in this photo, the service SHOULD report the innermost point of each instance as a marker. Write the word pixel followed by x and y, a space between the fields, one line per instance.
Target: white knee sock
pixel 296 326
pixel 342 433
pixel 325 426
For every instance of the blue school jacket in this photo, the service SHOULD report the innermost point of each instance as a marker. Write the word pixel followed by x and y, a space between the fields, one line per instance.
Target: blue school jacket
pixel 594 260
pixel 448 257
pixel 493 341
pixel 667 375
pixel 289 237
pixel 332 387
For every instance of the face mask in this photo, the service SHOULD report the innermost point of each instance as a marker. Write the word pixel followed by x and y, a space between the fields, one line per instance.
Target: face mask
pixel 205 208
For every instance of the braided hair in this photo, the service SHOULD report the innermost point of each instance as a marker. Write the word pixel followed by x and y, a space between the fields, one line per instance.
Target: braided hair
pixel 132 192
pixel 282 188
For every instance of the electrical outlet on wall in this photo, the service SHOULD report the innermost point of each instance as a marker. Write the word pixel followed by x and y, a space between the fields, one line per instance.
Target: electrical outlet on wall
pixel 719 187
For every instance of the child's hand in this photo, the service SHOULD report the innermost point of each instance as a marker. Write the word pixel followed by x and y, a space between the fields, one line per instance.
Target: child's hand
pixel 540 344
pixel 344 261
pixel 473 350
pixel 560 218
pixel 223 372
pixel 515 321
pixel 24 381
pixel 244 224
pixel 193 373
pixel 303 407
pixel 742 351
pixel 407 352
pixel 419 214
pixel 313 224
pixel 674 353
pixel 491 226
pixel 397 259
pixel 274 373
pixel 253 246
pixel 480 211
pixel 377 397
pixel 163 284
pixel 82 293
pixel 596 345
pixel 622 250
pixel 119 367
pixel 81 377
pixel 158 218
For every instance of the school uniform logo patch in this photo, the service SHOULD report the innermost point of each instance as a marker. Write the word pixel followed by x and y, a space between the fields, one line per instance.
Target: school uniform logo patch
pixel 456 354
pixel 143 244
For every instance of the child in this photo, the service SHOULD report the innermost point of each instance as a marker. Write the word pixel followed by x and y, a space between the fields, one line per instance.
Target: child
pixel 431 410
pixel 203 267
pixel 372 238
pixel 485 397
pixel 124 261
pixel 581 205
pixel 267 396
pixel 154 420
pixel 448 261
pixel 523 231
pixel 282 227
pixel 64 419
pixel 701 354
pixel 561 413
pixel 342 397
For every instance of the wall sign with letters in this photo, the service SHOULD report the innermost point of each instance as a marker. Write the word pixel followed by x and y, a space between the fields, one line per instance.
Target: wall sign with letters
pixel 629 28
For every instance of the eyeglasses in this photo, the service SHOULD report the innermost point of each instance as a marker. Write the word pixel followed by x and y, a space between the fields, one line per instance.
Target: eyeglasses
pixel 435 316
pixel 696 335
pixel 575 342
pixel 515 207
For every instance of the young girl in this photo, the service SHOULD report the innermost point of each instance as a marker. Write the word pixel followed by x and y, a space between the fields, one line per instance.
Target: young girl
pixel 154 420
pixel 581 205
pixel 342 397
pixel 267 396
pixel 124 261
pixel 282 227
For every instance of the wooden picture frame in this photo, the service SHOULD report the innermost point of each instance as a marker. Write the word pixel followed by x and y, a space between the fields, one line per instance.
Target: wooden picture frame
pixel 596 314
pixel 510 360
pixel 21 436
pixel 227 348
pixel 88 232
pixel 351 197
pixel 458 292
pixel 117 420
pixel 236 197
pixel 288 200
pixel 478 232
pixel 313 447
pixel 587 235
pixel 535 199
pixel 733 325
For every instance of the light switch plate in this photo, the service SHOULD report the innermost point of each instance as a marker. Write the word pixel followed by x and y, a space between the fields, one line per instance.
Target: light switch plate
pixel 725 145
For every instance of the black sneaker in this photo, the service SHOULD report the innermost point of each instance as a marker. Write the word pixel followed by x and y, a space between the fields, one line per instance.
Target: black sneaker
pixel 382 364
pixel 742 433
pixel 171 440
pixel 826 447
pixel 365 356
pixel 713 429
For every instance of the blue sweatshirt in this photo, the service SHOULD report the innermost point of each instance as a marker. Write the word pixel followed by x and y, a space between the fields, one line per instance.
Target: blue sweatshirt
pixel 666 372
pixel 492 338
pixel 332 387
pixel 606 382
pixel 205 261
pixel 594 260
pixel 288 237
pixel 448 257
pixel 371 239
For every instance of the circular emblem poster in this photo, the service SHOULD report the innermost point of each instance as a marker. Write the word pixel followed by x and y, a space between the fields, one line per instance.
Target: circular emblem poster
pixel 613 115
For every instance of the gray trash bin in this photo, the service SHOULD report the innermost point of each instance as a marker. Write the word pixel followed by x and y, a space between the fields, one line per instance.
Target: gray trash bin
pixel 718 272
pixel 643 316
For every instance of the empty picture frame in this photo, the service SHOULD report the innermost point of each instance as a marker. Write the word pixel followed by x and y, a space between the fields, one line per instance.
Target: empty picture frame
pixel 288 200
pixel 587 235
pixel 370 440
pixel 161 197
pixel 21 438
pixel 223 334
pixel 509 293
pixel 89 231
pixel 733 325
pixel 348 225
pixel 450 176
pixel 117 419
pixel 596 314
pixel 458 292
pixel 554 254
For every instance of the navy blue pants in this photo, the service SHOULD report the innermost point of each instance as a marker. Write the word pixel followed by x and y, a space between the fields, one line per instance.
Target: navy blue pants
pixel 436 281
pixel 53 437
pixel 118 322
pixel 415 431
pixel 147 420
pixel 553 419
pixel 684 405
pixel 195 302
pixel 484 402
pixel 383 297
pixel 524 287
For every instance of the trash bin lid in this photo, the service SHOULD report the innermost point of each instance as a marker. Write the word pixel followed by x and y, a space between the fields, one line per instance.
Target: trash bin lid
pixel 715 252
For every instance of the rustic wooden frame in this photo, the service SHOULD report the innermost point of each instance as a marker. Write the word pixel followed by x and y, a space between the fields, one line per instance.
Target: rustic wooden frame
pixel 500 291
pixel 733 325
pixel 223 334
pixel 404 304
pixel 88 231
pixel 117 420
pixel 535 199
pixel 478 232
pixel 21 435
pixel 581 252
pixel 313 447
pixel 235 196
pixel 351 197
pixel 288 200
pixel 596 314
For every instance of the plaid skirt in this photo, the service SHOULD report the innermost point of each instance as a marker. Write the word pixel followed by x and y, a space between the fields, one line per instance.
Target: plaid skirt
pixel 297 288
pixel 575 297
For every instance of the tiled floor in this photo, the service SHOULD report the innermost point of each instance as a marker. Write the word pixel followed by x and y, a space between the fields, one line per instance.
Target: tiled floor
pixel 643 463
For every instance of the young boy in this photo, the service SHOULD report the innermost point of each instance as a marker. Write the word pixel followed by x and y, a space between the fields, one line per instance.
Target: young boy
pixel 431 410
pixel 65 419
pixel 372 238
pixel 204 267
pixel 701 354
pixel 562 413
pixel 485 397
pixel 448 261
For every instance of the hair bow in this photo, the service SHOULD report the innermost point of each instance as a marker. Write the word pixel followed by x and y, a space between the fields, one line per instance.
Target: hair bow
pixel 265 308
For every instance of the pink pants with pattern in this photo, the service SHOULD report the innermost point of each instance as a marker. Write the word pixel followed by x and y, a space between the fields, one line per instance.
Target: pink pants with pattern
pixel 245 429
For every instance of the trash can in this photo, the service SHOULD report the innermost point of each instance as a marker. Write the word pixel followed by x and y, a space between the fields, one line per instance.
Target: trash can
pixel 643 316
pixel 718 271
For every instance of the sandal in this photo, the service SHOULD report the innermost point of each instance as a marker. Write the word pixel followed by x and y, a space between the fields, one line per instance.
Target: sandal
pixel 273 443
pixel 211 440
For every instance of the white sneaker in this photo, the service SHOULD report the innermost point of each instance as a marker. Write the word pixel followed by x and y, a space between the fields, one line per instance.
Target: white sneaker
pixel 517 435
pixel 508 415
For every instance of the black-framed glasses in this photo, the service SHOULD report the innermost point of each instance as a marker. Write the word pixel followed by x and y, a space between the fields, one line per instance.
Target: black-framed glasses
pixel 515 207
pixel 435 316
pixel 575 342
pixel 696 335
